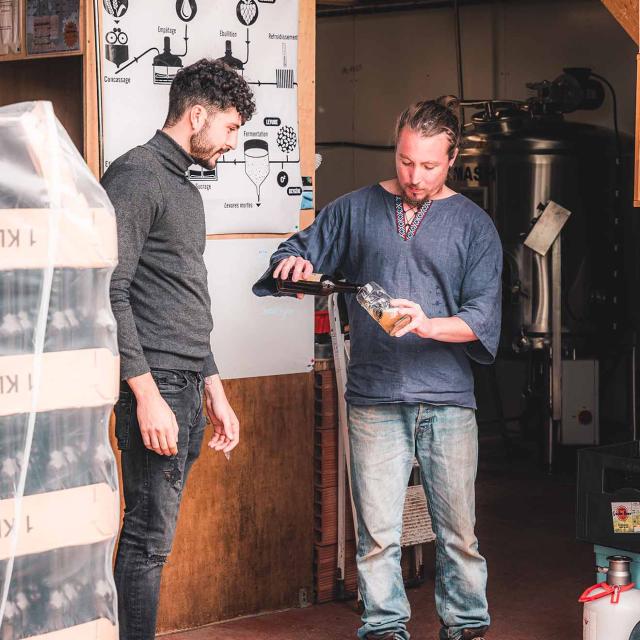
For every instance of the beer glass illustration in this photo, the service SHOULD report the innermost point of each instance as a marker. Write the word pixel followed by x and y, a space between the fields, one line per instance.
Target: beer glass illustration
pixel 256 162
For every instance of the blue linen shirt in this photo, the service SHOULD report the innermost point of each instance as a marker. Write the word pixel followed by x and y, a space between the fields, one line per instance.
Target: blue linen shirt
pixel 451 267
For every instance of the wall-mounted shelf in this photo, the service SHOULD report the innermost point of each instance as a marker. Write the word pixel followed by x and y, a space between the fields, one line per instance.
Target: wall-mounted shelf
pixel 23 54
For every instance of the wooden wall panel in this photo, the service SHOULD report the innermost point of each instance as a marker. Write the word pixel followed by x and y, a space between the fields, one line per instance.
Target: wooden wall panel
pixel 307 96
pixel 90 93
pixel 636 185
pixel 56 79
pixel 245 537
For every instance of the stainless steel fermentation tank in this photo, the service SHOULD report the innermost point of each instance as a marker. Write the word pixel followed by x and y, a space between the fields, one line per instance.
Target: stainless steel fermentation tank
pixel 517 156
pixel 511 174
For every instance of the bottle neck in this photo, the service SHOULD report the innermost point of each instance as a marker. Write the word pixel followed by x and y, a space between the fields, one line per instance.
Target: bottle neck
pixel 336 285
pixel 345 287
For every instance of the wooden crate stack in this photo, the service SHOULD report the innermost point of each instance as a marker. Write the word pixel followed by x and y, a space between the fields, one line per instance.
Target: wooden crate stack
pixel 326 495
pixel 59 501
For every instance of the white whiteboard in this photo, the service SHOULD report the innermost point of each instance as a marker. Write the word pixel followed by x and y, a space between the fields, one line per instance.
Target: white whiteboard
pixel 257 188
pixel 254 336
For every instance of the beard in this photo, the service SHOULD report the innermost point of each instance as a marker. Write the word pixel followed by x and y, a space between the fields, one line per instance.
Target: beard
pixel 203 153
pixel 412 202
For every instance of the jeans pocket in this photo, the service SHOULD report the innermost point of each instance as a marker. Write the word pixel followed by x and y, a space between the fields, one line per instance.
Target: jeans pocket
pixel 123 410
pixel 453 417
pixel 170 381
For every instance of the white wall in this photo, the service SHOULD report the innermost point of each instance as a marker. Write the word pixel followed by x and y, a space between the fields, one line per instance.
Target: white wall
pixel 371 67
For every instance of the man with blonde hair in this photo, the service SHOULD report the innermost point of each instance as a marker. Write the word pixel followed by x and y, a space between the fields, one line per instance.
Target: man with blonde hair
pixel 410 394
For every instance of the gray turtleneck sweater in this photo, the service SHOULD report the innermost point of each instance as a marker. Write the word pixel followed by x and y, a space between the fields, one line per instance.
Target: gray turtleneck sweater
pixel 159 293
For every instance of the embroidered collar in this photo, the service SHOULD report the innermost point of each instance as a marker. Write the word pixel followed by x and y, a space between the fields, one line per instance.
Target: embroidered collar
pixel 407 232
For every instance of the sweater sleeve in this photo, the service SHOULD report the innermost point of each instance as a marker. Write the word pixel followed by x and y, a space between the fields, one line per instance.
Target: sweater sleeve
pixel 210 367
pixel 136 197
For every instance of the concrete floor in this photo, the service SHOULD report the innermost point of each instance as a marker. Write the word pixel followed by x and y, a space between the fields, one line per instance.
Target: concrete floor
pixel 536 568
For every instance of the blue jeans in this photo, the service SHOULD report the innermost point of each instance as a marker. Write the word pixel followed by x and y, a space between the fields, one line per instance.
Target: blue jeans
pixel 384 441
pixel 153 486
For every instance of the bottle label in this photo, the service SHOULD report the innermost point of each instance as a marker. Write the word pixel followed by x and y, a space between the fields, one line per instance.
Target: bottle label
pixel 626 517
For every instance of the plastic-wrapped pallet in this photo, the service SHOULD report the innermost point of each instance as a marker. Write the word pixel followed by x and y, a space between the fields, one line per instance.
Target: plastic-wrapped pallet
pixel 59 504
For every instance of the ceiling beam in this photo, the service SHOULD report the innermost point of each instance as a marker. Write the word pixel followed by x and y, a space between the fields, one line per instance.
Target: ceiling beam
pixel 626 12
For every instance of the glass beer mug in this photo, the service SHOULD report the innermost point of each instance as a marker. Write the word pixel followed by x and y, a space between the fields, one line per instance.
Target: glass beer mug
pixel 377 303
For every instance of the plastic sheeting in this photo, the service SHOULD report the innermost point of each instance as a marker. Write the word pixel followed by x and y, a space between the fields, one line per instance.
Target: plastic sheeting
pixel 59 500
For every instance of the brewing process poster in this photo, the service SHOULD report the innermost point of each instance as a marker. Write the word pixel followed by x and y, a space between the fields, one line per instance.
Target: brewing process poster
pixel 257 187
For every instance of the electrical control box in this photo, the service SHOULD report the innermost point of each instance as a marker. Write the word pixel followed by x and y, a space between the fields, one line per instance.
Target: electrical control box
pixel 580 417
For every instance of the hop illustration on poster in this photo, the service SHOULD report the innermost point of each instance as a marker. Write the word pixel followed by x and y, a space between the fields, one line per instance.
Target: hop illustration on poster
pixel 257 187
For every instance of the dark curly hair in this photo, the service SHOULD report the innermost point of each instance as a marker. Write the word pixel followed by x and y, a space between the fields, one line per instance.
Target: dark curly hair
pixel 431 117
pixel 214 85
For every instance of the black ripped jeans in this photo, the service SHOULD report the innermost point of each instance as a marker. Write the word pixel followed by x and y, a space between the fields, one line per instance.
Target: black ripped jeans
pixel 153 487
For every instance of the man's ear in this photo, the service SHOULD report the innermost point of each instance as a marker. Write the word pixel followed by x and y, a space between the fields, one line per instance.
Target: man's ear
pixel 197 117
pixel 455 155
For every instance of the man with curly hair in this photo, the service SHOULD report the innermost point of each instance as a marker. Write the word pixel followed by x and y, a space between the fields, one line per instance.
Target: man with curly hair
pixel 160 299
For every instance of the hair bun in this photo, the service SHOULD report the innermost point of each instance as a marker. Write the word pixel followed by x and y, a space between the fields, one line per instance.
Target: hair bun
pixel 452 103
pixel 431 118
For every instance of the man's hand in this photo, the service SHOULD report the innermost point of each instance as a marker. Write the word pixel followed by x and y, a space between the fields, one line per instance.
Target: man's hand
pixel 226 427
pixel 451 329
pixel 158 425
pixel 419 324
pixel 302 269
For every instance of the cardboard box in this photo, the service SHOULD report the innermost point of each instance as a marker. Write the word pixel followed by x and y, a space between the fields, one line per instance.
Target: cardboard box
pixel 79 238
pixel 69 379
pixel 69 518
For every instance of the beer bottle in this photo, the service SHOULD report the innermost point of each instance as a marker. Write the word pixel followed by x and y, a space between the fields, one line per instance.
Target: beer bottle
pixel 317 284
